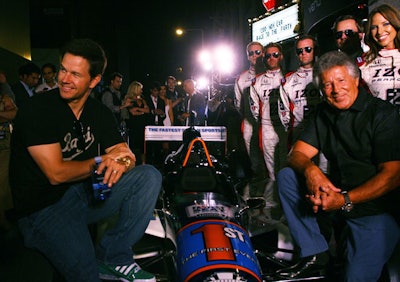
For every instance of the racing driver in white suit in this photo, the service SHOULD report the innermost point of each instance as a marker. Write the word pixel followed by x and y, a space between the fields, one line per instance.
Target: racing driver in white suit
pixel 260 93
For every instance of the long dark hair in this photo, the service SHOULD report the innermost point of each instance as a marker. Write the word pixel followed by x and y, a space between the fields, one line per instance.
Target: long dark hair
pixel 393 16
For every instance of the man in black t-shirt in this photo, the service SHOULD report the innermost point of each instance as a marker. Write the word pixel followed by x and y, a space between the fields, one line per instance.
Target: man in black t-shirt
pixel 357 133
pixel 58 139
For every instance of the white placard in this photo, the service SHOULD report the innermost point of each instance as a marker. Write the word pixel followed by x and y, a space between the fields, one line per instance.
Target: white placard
pixel 175 133
pixel 277 27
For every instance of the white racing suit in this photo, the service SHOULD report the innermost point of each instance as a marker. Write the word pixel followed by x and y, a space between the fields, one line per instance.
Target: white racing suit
pixel 295 99
pixel 260 93
pixel 382 76
pixel 299 97
pixel 242 88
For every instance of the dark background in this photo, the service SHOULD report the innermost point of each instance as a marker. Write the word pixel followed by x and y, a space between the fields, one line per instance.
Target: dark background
pixel 139 37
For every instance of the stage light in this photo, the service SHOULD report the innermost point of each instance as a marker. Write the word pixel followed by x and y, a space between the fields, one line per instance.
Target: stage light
pixel 224 59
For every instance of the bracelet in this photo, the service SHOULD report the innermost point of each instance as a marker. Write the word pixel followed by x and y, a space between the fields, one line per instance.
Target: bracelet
pixel 98 159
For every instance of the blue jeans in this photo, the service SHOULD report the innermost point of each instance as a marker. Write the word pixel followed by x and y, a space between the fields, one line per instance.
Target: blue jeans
pixel 60 231
pixel 370 242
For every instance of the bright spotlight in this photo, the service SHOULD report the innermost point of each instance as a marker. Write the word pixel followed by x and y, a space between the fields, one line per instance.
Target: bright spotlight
pixel 224 59
pixel 205 60
pixel 179 31
pixel 220 60
pixel 202 83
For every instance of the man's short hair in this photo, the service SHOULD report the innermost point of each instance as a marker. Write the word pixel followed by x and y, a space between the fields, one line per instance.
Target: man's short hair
pixel 28 69
pixel 314 40
pixel 51 66
pixel 348 17
pixel 155 84
pixel 273 44
pixel 254 43
pixel 91 51
pixel 116 74
pixel 333 59
pixel 170 77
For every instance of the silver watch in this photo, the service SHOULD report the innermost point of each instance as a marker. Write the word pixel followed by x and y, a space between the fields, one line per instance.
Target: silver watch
pixel 348 204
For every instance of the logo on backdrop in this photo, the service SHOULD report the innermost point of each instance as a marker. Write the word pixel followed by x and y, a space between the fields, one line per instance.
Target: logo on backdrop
pixel 268 4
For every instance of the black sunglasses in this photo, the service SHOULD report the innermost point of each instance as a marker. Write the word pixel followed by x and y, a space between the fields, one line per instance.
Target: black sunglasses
pixel 80 133
pixel 275 55
pixel 348 32
pixel 308 49
pixel 251 53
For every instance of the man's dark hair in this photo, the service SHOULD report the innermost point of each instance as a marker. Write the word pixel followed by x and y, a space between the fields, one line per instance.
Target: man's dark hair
pixel 314 40
pixel 348 17
pixel 155 84
pixel 28 69
pixel 51 66
pixel 91 51
pixel 116 74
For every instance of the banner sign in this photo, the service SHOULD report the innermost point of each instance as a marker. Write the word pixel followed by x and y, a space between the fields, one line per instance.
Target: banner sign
pixel 175 133
pixel 277 27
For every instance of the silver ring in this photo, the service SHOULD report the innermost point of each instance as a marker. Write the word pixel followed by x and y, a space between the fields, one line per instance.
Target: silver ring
pixel 115 171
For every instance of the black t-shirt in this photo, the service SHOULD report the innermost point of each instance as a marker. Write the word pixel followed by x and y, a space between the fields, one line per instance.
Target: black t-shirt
pixel 47 119
pixel 355 142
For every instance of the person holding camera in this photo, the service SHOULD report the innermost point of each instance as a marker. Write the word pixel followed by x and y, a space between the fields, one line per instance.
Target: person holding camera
pixel 58 138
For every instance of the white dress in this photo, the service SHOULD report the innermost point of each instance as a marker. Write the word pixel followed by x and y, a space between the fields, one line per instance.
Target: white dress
pixel 167 120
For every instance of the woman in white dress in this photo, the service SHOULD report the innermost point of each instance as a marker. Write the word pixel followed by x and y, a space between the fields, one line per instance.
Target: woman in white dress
pixel 169 119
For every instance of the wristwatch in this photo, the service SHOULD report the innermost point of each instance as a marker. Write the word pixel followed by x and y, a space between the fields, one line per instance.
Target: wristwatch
pixel 348 204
